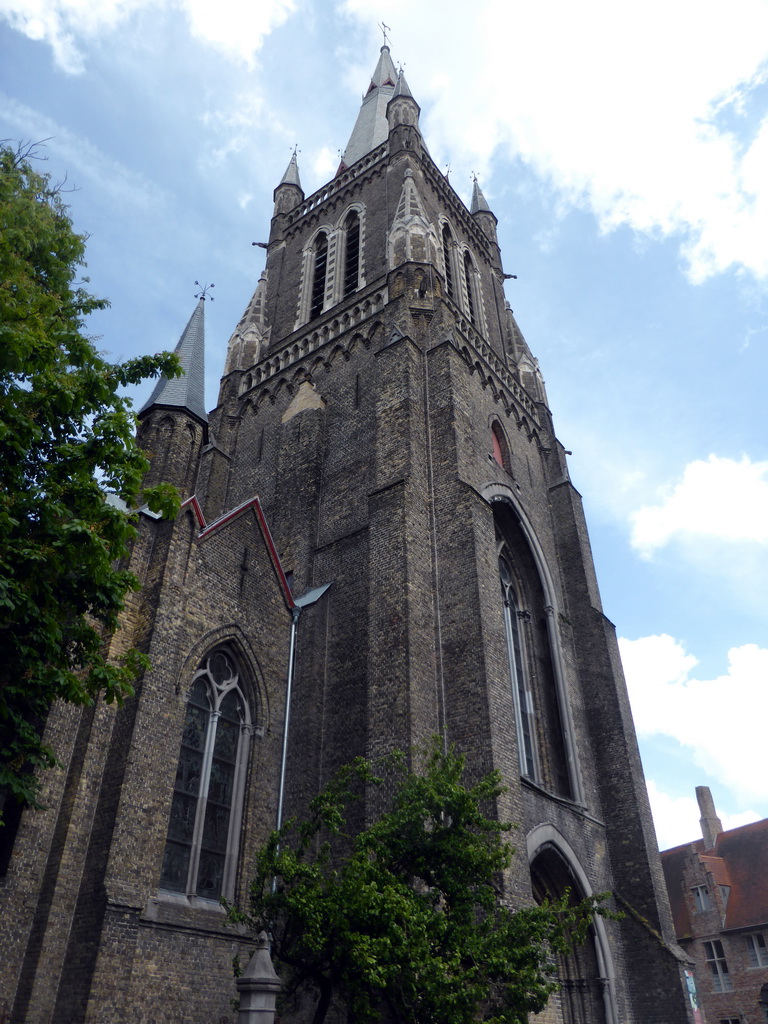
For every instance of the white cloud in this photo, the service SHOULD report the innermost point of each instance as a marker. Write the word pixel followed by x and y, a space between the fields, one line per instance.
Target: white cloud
pixel 650 117
pixel 719 498
pixel 640 114
pixel 82 158
pixel 234 27
pixel 721 720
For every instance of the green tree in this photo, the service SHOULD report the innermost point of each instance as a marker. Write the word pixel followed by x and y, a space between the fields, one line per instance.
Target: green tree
pixel 407 915
pixel 67 436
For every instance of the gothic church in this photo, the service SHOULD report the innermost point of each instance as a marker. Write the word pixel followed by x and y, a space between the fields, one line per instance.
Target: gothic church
pixel 382 427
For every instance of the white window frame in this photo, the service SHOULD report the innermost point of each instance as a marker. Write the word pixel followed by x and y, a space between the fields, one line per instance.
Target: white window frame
pixel 702 900
pixel 217 688
pixel 718 965
pixel 756 949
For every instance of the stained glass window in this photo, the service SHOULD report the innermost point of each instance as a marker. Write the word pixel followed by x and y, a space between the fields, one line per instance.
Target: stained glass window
pixel 202 830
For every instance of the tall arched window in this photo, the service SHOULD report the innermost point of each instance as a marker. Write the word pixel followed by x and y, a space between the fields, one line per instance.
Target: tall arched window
pixel 201 846
pixel 521 694
pixel 352 253
pixel 319 276
pixel 535 669
pixel 469 284
pixel 499 446
pixel 448 260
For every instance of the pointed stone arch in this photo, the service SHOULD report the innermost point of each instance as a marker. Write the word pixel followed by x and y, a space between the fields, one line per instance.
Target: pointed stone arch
pixel 501 494
pixel 555 867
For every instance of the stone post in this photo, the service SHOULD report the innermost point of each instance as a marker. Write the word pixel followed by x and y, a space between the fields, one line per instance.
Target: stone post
pixel 258 987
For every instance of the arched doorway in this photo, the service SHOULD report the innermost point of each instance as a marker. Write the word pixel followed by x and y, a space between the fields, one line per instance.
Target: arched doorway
pixel 585 974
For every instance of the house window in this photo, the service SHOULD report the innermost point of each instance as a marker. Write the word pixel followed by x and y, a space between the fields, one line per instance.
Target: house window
pixel 758 954
pixel 352 253
pixel 520 693
pixel 319 276
pixel 201 846
pixel 721 980
pixel 448 260
pixel 730 1020
pixel 701 898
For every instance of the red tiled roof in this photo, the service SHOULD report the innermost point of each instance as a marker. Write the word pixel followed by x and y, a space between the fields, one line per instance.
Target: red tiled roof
pixel 739 859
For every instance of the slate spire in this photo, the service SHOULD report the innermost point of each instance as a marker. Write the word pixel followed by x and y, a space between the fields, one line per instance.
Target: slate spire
pixel 371 127
pixel 479 202
pixel 291 176
pixel 188 391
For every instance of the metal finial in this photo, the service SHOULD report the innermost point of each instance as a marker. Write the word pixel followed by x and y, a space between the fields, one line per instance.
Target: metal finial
pixel 384 29
pixel 203 293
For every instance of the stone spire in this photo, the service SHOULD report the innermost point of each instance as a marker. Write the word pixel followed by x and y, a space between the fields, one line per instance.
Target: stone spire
pixel 291 176
pixel 289 192
pixel 479 202
pixel 372 127
pixel 187 391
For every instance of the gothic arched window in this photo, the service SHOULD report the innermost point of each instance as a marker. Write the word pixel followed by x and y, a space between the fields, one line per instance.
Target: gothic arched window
pixel 448 244
pixel 469 284
pixel 538 686
pixel 201 847
pixel 500 447
pixel 352 253
pixel 521 694
pixel 319 276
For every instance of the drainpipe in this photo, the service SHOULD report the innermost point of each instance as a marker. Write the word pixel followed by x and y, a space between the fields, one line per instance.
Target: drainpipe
pixel 311 597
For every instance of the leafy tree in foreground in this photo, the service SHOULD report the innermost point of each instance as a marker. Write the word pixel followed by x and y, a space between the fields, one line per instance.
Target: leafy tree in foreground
pixel 66 437
pixel 406 917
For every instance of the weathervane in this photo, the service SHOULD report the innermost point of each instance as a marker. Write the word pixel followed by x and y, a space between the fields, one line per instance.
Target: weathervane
pixel 203 293
pixel 384 29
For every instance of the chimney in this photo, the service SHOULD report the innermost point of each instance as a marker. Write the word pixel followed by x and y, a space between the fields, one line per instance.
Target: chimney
pixel 711 826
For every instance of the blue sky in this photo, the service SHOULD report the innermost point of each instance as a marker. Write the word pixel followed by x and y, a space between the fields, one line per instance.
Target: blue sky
pixel 624 150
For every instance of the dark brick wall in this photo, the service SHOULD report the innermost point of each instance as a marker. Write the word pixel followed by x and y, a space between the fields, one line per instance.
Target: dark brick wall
pixel 367 436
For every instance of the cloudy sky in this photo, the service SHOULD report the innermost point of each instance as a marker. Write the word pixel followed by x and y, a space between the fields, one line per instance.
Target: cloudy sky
pixel 624 149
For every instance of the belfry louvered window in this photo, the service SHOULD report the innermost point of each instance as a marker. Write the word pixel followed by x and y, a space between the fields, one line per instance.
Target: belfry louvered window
pixel 201 846
pixel 469 284
pixel 352 253
pixel 319 276
pixel 521 694
pixel 448 260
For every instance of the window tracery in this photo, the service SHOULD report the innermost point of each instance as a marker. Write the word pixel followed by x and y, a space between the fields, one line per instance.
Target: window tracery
pixel 524 714
pixel 201 845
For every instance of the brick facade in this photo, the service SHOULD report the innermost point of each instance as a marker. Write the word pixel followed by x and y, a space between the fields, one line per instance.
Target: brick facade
pixel 719 897
pixel 366 430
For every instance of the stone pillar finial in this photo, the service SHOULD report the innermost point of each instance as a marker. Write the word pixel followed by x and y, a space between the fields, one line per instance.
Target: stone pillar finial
pixel 258 987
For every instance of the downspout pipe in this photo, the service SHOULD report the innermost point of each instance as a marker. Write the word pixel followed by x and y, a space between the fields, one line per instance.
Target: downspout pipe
pixel 311 597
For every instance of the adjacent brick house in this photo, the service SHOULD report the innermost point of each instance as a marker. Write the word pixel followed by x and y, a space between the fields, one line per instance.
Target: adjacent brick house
pixel 381 411
pixel 718 890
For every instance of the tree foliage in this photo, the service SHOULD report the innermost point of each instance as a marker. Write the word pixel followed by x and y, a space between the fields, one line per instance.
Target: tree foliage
pixel 66 437
pixel 407 916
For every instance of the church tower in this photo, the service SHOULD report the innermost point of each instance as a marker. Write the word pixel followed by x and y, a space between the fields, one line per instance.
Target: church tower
pixel 382 427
